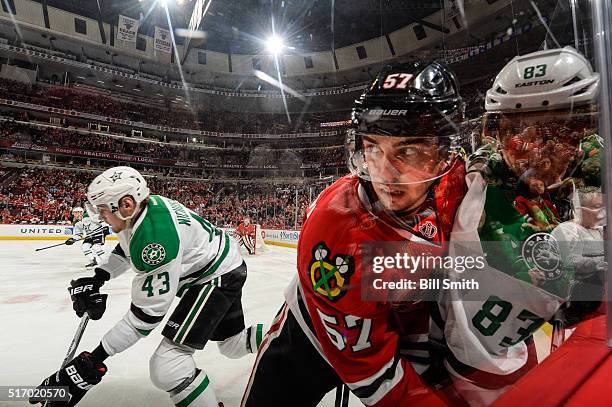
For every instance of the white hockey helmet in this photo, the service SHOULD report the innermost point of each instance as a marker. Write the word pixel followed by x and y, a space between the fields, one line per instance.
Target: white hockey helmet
pixel 107 189
pixel 543 80
pixel 77 209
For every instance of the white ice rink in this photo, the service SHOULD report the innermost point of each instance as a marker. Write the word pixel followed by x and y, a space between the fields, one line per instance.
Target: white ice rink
pixel 38 324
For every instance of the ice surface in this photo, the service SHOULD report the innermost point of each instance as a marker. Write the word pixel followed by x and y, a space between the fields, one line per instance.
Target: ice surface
pixel 38 324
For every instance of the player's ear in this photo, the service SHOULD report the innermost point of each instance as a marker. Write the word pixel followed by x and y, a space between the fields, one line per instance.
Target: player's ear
pixel 127 202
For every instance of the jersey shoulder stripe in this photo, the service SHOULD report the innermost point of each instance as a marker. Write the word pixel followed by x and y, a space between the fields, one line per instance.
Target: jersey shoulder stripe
pixel 156 241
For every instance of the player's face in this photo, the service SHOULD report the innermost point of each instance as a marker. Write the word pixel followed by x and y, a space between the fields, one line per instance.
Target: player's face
pixel 544 144
pixel 113 220
pixel 78 215
pixel 402 168
pixel 127 207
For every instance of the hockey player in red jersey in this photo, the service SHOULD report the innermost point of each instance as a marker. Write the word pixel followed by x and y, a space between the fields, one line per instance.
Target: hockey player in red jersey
pixel 245 235
pixel 405 185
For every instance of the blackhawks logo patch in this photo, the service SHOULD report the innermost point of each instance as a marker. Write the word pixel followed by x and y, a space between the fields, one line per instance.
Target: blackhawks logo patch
pixel 153 254
pixel 330 275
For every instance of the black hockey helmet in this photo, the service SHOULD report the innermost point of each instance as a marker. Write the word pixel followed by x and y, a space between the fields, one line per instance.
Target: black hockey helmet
pixel 416 100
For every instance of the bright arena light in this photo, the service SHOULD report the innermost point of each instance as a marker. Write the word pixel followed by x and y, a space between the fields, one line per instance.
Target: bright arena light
pixel 275 44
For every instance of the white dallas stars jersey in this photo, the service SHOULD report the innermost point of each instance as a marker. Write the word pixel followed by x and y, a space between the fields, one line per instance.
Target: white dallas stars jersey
pixel 170 248
pixel 88 227
pixel 486 329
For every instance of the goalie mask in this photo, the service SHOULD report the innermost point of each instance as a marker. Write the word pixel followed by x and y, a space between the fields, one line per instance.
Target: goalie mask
pixel 406 131
pixel 540 109
pixel 107 189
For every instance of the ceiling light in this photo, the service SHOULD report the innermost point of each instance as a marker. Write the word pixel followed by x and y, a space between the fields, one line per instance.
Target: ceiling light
pixel 275 44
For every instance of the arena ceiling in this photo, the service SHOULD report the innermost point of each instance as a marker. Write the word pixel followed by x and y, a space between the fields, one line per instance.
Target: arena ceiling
pixel 238 26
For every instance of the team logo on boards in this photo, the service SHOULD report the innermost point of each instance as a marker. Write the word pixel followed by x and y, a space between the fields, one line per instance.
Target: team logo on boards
pixel 541 251
pixel 153 254
pixel 329 275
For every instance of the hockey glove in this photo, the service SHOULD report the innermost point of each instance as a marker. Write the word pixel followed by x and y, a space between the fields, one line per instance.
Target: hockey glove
pixel 106 231
pixel 86 297
pixel 70 241
pixel 79 375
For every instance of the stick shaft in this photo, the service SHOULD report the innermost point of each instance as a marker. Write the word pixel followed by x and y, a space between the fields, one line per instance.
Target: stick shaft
pixel 76 340
pixel 71 351
pixel 91 234
pixel 49 247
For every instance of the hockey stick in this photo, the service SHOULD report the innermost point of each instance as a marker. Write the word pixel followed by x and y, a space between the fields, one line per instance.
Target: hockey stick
pixel 76 340
pixel 91 234
pixel 49 247
pixel 71 349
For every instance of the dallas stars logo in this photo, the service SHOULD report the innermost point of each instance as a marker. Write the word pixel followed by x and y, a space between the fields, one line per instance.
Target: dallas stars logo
pixel 116 176
pixel 541 251
pixel 153 254
pixel 330 276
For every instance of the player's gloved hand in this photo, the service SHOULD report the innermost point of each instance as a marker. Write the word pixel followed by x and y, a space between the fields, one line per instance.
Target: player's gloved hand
pixel 86 297
pixel 106 231
pixel 70 241
pixel 79 375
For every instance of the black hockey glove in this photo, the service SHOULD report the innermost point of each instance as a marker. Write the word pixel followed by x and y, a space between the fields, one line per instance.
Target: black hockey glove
pixel 106 231
pixel 70 241
pixel 86 297
pixel 79 375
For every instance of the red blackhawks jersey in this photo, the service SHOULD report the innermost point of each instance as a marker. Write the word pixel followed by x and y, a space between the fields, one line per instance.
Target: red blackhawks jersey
pixel 358 338
pixel 244 230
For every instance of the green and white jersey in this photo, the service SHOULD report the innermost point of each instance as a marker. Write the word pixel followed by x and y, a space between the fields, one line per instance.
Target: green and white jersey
pixel 486 328
pixel 87 227
pixel 170 248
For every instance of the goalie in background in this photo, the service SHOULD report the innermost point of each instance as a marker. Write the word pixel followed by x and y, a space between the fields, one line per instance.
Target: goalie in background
pixel 246 235
pixel 93 232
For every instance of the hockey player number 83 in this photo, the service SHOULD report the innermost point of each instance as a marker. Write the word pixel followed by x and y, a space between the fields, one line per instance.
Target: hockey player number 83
pixel 339 340
pixel 487 322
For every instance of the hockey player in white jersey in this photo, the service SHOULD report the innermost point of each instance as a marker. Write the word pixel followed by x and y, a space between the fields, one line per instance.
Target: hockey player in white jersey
pixel 92 231
pixel 174 253
pixel 540 109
